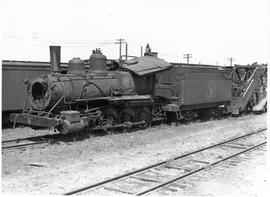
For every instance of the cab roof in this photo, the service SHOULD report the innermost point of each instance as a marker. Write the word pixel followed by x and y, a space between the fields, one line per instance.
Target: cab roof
pixel 146 65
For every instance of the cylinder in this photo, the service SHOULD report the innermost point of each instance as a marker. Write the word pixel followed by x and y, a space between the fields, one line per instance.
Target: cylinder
pixel 67 127
pixel 55 58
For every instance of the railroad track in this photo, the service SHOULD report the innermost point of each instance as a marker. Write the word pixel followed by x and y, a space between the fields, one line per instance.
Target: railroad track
pixel 29 141
pixel 157 176
pixel 23 142
pixel 53 138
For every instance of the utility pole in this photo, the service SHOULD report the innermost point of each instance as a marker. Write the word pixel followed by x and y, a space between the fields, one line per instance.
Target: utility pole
pixel 126 51
pixel 187 56
pixel 141 51
pixel 121 41
pixel 231 59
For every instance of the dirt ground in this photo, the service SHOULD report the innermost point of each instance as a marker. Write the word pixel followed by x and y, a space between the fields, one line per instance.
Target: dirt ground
pixel 59 168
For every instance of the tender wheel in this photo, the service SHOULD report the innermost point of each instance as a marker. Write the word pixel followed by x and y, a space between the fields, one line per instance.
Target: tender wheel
pixel 127 115
pixel 205 113
pixel 110 116
pixel 170 117
pixel 143 114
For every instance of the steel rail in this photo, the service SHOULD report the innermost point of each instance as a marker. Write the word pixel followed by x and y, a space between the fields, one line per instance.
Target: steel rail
pixel 21 145
pixel 22 139
pixel 35 139
pixel 110 180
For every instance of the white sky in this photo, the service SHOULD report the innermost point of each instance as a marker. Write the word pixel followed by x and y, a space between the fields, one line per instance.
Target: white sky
pixel 212 30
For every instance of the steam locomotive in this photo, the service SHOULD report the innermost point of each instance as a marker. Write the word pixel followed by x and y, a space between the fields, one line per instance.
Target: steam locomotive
pixel 139 91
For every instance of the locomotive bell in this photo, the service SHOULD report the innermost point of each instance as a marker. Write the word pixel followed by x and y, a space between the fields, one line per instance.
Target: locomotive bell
pixel 98 62
pixel 76 66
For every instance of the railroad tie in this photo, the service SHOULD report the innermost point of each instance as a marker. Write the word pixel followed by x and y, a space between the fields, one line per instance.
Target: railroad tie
pixel 238 146
pixel 145 178
pixel 119 190
pixel 199 161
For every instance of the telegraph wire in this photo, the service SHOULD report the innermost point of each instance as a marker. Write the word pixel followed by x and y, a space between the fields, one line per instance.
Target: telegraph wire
pixel 169 55
pixel 64 43
pixel 13 37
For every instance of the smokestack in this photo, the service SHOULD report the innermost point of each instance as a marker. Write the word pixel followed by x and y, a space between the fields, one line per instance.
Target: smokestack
pixel 55 58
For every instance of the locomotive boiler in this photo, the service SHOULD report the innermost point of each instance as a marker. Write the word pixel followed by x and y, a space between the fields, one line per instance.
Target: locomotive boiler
pixel 78 84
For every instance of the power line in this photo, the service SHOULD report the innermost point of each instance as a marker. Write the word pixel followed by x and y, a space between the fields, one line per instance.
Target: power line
pixel 13 37
pixel 76 42
pixel 7 35
pixel 64 43
pixel 168 55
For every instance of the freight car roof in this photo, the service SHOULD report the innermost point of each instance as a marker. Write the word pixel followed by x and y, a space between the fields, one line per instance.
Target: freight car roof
pixel 198 65
pixel 14 65
pixel 145 65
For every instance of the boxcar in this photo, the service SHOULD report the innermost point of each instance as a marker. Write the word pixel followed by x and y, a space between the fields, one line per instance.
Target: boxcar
pixel 13 87
pixel 13 75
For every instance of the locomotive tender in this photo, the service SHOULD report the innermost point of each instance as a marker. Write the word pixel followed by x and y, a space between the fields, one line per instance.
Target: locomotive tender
pixel 141 90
